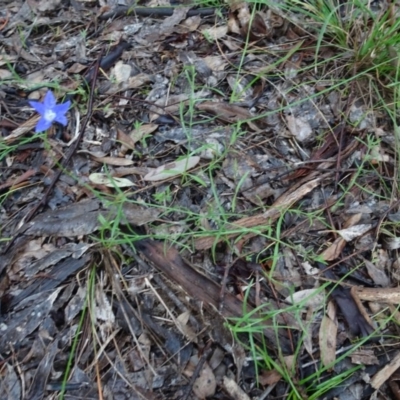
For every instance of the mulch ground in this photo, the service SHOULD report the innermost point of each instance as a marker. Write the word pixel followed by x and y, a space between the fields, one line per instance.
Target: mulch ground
pixel 209 170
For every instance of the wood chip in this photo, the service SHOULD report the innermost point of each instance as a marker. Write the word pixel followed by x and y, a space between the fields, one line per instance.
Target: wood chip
pixel 234 390
pixel 384 295
pixel 386 372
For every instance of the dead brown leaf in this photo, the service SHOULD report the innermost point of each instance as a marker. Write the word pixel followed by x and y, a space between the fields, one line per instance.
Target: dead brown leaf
pixel 282 203
pixel 269 377
pixel 327 336
pixel 336 248
pixel 206 384
pixel 228 112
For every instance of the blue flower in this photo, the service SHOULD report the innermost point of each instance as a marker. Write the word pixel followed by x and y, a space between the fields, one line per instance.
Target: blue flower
pixel 50 112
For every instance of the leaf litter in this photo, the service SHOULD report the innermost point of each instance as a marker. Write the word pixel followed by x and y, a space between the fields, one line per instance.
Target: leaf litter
pixel 222 177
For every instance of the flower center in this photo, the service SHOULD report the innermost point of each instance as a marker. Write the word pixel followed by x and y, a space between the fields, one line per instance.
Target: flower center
pixel 49 115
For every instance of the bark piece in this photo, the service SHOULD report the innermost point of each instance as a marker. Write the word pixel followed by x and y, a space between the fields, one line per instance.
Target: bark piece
pixel 358 324
pixel 384 295
pixel 386 372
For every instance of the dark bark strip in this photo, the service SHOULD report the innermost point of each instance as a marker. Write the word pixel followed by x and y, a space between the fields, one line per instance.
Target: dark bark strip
pixel 200 287
pixel 357 323
pixel 155 11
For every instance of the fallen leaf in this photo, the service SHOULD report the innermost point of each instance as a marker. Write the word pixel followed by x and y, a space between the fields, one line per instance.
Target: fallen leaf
pixel 45 5
pixel 103 179
pixel 228 112
pixel 274 212
pixel 269 377
pixel 215 32
pixel 255 28
pixel 173 169
pixel 334 250
pixel 327 336
pixel 191 23
pixel 354 232
pixel 143 130
pixel 127 142
pixel 171 104
pixel 182 321
pixel 378 276
pixel 308 297
pixel 234 390
pixel 216 63
pixel 205 385
pixel 118 161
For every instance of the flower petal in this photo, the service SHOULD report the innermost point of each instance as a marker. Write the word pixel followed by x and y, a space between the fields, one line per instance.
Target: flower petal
pixel 42 125
pixel 39 107
pixel 61 119
pixel 49 101
pixel 62 108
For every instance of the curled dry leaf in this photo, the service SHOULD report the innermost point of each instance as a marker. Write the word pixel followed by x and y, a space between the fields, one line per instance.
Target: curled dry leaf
pixel 379 276
pixel 127 142
pixel 191 24
pixel 255 28
pixel 182 320
pixel 96 154
pixel 311 297
pixel 336 248
pixel 173 169
pixel 243 12
pixel 354 232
